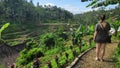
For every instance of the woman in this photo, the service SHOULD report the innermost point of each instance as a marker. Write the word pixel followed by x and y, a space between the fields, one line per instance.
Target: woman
pixel 101 36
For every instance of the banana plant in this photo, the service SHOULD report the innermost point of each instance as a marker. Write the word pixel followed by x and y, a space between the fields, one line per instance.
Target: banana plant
pixel 79 33
pixel 91 29
pixel 92 3
pixel 116 25
pixel 3 28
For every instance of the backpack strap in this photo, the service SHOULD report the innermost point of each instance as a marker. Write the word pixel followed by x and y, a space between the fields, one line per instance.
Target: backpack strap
pixel 102 26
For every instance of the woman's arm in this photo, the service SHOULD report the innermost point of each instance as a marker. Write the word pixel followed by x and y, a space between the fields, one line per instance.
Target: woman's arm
pixel 95 33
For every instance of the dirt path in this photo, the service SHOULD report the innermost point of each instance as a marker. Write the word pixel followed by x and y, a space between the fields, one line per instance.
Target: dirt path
pixel 88 60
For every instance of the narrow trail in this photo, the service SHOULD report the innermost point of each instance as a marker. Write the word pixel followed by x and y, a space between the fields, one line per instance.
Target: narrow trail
pixel 88 60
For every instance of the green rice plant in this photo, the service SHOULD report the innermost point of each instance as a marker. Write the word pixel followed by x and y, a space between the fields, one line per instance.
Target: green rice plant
pixel 28 65
pixel 70 57
pixel 85 48
pixel 54 64
pixel 26 58
pixel 21 61
pixel 77 50
pixel 31 44
pixel 53 51
pixel 62 60
pixel 44 66
pixel 46 58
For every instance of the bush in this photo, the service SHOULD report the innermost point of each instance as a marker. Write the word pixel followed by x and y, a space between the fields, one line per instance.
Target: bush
pixel 63 35
pixel 48 39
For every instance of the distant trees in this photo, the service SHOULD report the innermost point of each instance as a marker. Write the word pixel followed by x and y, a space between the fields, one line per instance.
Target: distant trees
pixel 21 11
pixel 92 17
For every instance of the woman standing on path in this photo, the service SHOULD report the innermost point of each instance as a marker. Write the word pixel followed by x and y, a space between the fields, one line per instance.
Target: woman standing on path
pixel 101 37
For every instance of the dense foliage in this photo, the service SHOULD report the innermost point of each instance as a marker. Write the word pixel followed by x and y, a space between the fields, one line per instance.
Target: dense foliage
pixel 21 11
pixel 57 54
pixel 24 16
pixel 47 47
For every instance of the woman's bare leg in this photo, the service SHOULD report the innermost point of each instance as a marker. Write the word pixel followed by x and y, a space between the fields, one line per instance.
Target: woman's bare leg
pixel 98 47
pixel 103 46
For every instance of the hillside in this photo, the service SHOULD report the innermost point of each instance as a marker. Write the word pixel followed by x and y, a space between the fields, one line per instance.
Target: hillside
pixel 9 54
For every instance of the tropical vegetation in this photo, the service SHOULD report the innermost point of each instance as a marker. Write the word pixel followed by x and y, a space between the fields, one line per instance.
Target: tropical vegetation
pixel 54 35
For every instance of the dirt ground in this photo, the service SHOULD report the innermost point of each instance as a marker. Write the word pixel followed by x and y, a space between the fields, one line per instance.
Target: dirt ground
pixel 88 60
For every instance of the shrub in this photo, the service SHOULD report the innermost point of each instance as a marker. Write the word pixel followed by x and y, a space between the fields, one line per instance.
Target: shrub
pixel 48 39
pixel 61 33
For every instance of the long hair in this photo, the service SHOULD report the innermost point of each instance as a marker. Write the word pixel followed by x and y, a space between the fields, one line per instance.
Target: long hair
pixel 102 17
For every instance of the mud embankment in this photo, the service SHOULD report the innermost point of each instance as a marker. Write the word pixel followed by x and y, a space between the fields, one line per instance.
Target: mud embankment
pixel 9 54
